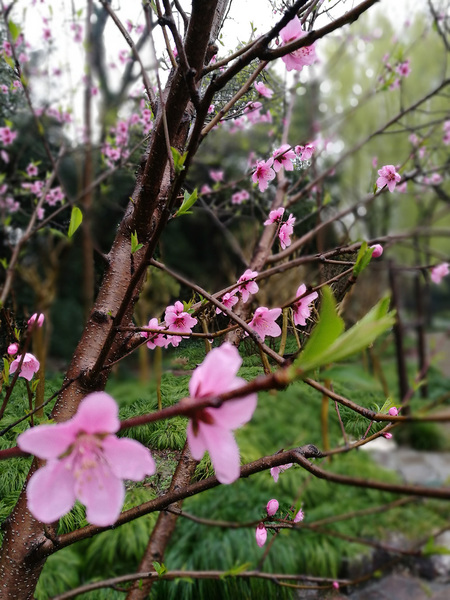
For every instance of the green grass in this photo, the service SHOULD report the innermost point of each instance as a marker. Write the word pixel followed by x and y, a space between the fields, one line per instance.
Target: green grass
pixel 283 419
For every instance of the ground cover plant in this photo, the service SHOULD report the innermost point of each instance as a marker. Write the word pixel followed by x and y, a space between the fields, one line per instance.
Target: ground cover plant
pixel 213 242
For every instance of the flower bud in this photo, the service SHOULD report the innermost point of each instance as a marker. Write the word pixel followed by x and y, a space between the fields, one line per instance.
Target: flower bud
pixel 37 316
pixel 261 535
pixel 335 585
pixel 272 507
pixel 299 516
pixel 377 250
pixel 13 349
pixel 388 435
pixel 393 412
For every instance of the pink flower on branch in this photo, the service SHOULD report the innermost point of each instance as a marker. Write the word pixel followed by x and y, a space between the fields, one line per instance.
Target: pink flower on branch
pixel 37 318
pixel 261 535
pixel 30 366
pixel 263 322
pixel 286 230
pixel 229 300
pixel 439 272
pixel 275 471
pixel 263 89
pixel 299 516
pixel 272 507
pixel 301 307
pixel 388 176
pixel 210 429
pixel 263 173
pixel 155 339
pixel 377 250
pixel 85 461
pixel 177 319
pixel 283 157
pixel 247 286
pixel 275 216
pixel 303 56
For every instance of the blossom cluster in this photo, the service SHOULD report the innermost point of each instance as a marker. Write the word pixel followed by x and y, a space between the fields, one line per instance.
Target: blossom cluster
pixel 271 510
pixel 286 229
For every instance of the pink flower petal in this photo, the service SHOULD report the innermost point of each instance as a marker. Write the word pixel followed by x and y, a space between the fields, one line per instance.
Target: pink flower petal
pixel 48 441
pixel 102 493
pixel 51 492
pixel 127 458
pixel 216 373
pixel 223 450
pixel 97 413
pixel 235 413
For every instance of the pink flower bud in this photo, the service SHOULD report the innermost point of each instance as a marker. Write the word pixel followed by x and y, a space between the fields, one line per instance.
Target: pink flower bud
pixel 272 507
pixel 377 250
pixel 40 319
pixel 388 436
pixel 335 585
pixel 299 516
pixel 261 535
pixel 393 412
pixel 13 349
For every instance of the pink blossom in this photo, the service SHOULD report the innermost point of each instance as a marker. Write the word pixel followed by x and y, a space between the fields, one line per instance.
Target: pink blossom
pixel 261 535
pixel 436 179
pixel 13 349
pixel 263 322
pixel 307 151
pixel 210 429
pixel 275 471
pixel 395 84
pixel 85 462
pixel 286 230
pixel 252 111
pixel 7 136
pixel 414 139
pixel 393 412
pixel 247 286
pixel 211 109
pixel 124 56
pixel 446 128
pixel 205 189
pixel 335 585
pixel 402 188
pixel 283 157
pixel 374 162
pixel 275 216
pixel 263 90
pixel 54 195
pixel 47 34
pixel 30 366
pixel 36 318
pixel 5 156
pixel 240 197
pixel 229 300
pixel 403 69
pixel 377 250
pixel 301 307
pixel 178 320
pixel 387 435
pixel 272 507
pixel 388 176
pixel 32 170
pixel 299 516
pixel 154 339
pixel 439 272
pixel 301 57
pixel 216 176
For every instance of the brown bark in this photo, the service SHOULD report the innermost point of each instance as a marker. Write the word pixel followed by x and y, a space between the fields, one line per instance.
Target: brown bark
pixel 147 214
pixel 164 528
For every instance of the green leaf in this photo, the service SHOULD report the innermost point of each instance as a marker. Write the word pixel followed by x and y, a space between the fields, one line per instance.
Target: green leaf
pixel 178 160
pixel 6 371
pixel 375 187
pixel 159 568
pixel 4 263
pixel 135 246
pixel 378 320
pixel 8 60
pixel 76 218
pixel 363 259
pixel 189 200
pixel 328 329
pixel 236 570
pixel 430 548
pixel 14 30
